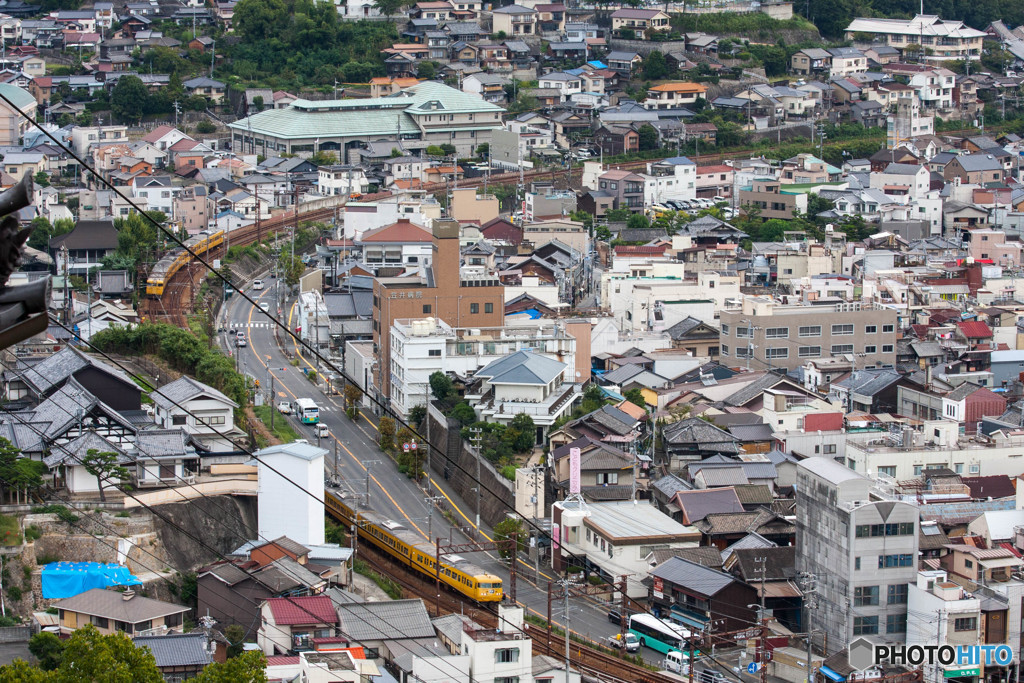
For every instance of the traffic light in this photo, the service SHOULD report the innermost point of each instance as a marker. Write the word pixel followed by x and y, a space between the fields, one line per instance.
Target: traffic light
pixel 22 308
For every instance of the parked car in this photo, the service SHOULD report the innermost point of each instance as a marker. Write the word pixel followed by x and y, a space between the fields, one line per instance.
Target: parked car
pixel 240 340
pixel 676 662
pixel 711 676
pixel 630 642
pixel 257 285
pixel 284 407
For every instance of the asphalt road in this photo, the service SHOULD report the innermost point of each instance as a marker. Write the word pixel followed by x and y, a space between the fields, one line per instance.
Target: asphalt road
pixel 361 465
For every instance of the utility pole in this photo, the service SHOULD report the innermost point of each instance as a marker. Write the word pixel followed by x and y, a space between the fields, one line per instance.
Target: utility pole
pixel 431 501
pixel 809 586
pixel 369 466
pixel 763 561
pixel 474 438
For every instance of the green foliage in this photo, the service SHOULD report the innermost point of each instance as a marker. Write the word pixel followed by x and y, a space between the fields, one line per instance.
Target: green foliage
pixel 18 476
pixel 393 590
pixel 42 231
pixel 248 667
pixel 753 26
pixel 655 67
pixel 509 472
pixel 188 589
pixel 48 650
pixel 182 350
pixel 521 433
pixel 104 465
pixel 42 179
pixel 386 433
pixel 292 268
pixel 416 416
pixel 648 137
pixel 410 462
pixel 235 634
pixel 33 532
pixel 90 656
pixel 128 99
pixel 205 127
pixel 464 413
pixel 618 215
pixel 441 386
pixel 635 396
pixel 638 221
pixel 508 529
pixel 282 431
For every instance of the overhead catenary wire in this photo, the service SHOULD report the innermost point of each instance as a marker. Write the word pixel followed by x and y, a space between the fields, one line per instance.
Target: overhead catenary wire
pixel 538 529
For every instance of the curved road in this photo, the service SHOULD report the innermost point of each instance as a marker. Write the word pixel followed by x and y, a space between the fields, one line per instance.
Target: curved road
pixel 359 460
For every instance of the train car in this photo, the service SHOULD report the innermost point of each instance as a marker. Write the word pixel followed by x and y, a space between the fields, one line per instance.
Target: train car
pixel 170 264
pixel 393 538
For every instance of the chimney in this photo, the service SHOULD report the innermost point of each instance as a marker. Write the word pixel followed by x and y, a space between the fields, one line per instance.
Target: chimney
pixel 128 595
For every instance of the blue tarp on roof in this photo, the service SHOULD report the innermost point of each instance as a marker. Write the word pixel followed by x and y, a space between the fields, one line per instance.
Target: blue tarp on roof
pixel 829 673
pixel 68 579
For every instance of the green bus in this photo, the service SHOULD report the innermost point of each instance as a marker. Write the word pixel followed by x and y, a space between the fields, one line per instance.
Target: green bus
pixel 659 635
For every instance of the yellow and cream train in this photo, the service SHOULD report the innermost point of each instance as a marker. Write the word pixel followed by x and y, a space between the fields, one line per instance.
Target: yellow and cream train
pixel 393 538
pixel 166 267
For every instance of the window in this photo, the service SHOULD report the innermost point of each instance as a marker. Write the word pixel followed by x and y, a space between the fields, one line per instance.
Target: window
pixel 842 330
pixel 965 624
pixel 856 563
pixel 103 622
pixel 809 351
pixel 968 564
pixel 917 470
pixel 888 470
pixel 178 420
pixel 810 331
pixel 871 329
pixel 725 329
pixel 870 349
pixel 506 655
pixel 725 349
pixel 506 679
pixel 488 308
pixel 777 352
pixel 897 529
pixel 865 595
pixel 958 468
pixel 887 348
pixel 896 623
pixel 897 594
pixel 434 353
pixel 888 328
pixel 426 309
pixel 841 348
pixel 605 478
pixel 865 626
pixel 742 351
pixel 474 308
pixel 777 332
pixel 975 469
pixel 744 333
pixel 890 561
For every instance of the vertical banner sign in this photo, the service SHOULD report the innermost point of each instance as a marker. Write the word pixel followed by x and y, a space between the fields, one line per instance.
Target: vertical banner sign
pixel 574 470
pixel 555 538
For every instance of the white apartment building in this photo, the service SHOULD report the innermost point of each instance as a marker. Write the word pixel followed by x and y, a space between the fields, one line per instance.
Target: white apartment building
pixel 421 347
pixel 674 178
pixel 313 320
pixel 934 88
pixel 158 191
pixel 937 445
pixel 341 180
pixel 945 39
pixel 903 183
pixel 632 301
pixel 361 217
pixel 940 611
pixel 85 137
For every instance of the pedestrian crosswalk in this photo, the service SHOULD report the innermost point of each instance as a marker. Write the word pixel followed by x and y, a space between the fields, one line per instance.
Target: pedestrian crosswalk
pixel 253 325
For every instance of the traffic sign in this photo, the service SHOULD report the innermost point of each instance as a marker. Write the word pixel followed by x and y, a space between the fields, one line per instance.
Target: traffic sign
pixel 753 668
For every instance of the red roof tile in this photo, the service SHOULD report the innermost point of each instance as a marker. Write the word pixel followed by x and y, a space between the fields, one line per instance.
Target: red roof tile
pixel 300 610
pixel 402 231
pixel 158 133
pixel 282 661
pixel 625 249
pixel 975 329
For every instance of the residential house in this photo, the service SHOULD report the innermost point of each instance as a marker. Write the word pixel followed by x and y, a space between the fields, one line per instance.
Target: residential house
pixel 158 192
pixel 974 169
pixel 623 62
pixel 290 624
pixel 674 95
pixel 626 187
pixel 640 21
pixel 811 61
pixel 201 411
pixel 694 596
pixel 514 20
pixel 112 611
pixel 606 472
pixel 847 61
pixel 213 90
pixel 179 656
pixel 944 39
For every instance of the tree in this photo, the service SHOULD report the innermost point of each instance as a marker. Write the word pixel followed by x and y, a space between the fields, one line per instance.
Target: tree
pixel 655 67
pixel 448 149
pixel 235 633
pixel 260 20
pixel 91 656
pixel 249 667
pixel 352 395
pixel 483 150
pixel 389 8
pixel 257 103
pixel 638 221
pixel 464 413
pixel 506 529
pixel 323 158
pixel 128 99
pixel 411 461
pixel 648 137
pixel 426 70
pixel 441 385
pixel 522 433
pixel 293 269
pixel 105 467
pixel 416 416
pixel 636 397
pixel 618 215
pixel 48 650
pixel 42 179
pixel 386 433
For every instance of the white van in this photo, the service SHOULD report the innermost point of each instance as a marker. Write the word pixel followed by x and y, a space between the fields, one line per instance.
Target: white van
pixel 257 285
pixel 676 662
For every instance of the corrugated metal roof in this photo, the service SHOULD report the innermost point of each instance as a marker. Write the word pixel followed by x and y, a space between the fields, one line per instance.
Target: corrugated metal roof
pixel 692 576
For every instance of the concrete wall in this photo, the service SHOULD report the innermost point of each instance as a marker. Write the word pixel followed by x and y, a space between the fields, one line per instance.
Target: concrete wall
pixel 457 464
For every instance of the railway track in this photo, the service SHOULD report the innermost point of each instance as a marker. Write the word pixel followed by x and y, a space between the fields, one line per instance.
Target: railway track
pixel 179 292
pixel 595 663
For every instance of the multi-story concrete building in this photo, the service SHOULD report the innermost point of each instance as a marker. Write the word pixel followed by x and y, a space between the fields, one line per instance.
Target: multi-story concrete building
pixel 674 178
pixel 773 335
pixel 943 40
pixel 423 346
pixel 767 195
pixel 940 611
pixel 193 208
pixel 440 291
pixel 861 545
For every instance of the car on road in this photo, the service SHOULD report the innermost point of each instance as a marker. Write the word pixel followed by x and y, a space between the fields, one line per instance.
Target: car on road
pixel 630 642
pixel 615 616
pixel 711 676
pixel 322 430
pixel 284 407
pixel 240 339
pixel 676 662
pixel 264 306
pixel 257 285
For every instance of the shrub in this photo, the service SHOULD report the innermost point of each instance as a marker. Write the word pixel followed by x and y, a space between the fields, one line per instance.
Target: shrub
pixel 43 560
pixel 33 532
